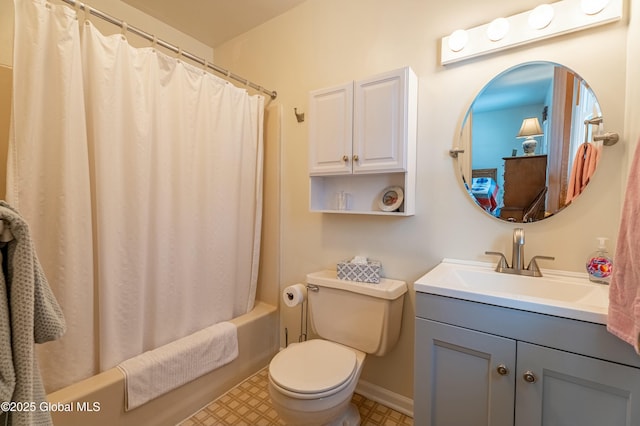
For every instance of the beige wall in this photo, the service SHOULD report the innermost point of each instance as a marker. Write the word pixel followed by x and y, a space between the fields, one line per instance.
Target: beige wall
pixel 117 9
pixel 632 98
pixel 6 41
pixel 5 114
pixel 6 33
pixel 327 42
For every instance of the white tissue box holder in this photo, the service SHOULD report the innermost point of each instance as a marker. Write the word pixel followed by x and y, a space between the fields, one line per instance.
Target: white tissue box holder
pixel 361 272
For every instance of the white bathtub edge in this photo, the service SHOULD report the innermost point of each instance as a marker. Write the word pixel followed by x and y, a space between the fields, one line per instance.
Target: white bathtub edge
pixel 257 340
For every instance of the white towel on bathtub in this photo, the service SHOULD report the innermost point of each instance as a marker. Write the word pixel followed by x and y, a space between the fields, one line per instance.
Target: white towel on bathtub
pixel 156 372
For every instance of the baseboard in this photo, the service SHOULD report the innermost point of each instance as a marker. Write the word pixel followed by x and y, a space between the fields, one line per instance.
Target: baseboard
pixel 383 396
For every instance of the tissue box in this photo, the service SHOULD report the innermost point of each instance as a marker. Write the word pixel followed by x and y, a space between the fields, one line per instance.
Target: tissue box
pixel 365 273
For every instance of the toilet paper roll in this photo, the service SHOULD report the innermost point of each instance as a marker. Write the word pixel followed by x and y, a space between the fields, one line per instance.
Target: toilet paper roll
pixel 294 295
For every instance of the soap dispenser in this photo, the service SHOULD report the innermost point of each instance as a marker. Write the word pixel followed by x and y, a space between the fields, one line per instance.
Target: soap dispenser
pixel 599 264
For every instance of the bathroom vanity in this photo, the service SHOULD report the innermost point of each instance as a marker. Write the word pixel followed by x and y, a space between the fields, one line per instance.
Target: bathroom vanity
pixel 497 349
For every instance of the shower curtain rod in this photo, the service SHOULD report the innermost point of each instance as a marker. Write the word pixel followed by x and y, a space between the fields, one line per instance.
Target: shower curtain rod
pixel 272 93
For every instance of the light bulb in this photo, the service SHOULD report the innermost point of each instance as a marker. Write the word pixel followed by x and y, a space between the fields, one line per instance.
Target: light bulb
pixel 497 29
pixel 593 7
pixel 458 40
pixel 541 16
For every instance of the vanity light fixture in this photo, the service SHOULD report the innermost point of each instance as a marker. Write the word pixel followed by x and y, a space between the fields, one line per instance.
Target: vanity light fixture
pixel 541 16
pixel 545 21
pixel 530 128
pixel 497 29
pixel 458 40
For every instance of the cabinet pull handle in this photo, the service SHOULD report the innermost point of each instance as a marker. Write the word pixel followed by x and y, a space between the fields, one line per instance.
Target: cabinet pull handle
pixel 345 158
pixel 356 158
pixel 502 370
pixel 529 377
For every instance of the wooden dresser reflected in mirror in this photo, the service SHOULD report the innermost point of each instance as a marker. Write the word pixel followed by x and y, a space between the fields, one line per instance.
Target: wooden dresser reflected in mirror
pixel 525 188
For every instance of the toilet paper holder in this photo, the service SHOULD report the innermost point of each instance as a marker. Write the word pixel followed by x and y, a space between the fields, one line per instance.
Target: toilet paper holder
pixel 292 294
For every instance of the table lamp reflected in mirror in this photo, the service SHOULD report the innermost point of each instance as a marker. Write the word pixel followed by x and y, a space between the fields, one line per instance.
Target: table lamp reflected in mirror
pixel 530 129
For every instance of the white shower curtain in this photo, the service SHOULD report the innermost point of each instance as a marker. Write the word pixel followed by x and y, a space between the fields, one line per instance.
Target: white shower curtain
pixel 169 173
pixel 48 176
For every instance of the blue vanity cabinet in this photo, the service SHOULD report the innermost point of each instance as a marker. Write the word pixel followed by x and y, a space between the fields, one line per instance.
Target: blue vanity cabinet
pixel 571 389
pixel 457 379
pixel 478 364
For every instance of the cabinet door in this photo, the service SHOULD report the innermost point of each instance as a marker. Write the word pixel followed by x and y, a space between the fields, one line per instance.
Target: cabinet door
pixel 381 125
pixel 331 130
pixel 458 382
pixel 572 389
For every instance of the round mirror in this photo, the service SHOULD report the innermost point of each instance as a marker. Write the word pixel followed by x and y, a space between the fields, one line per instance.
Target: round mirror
pixel 528 142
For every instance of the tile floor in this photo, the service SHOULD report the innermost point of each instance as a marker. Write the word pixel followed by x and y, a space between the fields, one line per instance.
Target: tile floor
pixel 248 404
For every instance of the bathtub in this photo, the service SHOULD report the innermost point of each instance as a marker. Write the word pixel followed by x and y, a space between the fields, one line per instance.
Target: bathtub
pixel 99 400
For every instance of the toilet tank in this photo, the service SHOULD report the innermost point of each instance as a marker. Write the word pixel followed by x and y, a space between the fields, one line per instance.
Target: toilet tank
pixel 359 315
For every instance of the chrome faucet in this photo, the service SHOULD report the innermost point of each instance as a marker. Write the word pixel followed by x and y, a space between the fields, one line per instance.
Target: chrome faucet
pixel 517 258
pixel 517 253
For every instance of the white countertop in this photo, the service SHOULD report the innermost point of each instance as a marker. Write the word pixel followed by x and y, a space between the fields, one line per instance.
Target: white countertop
pixel 559 293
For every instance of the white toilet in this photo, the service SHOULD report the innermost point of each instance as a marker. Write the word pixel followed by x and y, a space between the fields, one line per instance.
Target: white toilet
pixel 311 383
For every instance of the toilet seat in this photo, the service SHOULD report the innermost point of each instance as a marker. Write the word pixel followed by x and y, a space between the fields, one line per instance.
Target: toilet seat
pixel 313 369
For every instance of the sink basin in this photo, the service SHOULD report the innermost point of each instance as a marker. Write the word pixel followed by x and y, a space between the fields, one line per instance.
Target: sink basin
pixel 559 293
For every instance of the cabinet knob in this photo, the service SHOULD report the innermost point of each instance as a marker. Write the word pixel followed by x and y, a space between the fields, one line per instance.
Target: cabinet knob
pixel 355 157
pixel 345 158
pixel 529 377
pixel 502 370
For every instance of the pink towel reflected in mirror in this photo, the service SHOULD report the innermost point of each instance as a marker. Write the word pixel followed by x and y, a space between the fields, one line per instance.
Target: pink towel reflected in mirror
pixel 584 165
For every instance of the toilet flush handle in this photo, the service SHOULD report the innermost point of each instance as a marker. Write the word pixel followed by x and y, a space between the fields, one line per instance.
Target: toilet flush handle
pixel 313 287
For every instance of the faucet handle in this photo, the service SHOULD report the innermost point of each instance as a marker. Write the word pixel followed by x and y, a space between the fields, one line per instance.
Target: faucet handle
pixel 502 263
pixel 533 265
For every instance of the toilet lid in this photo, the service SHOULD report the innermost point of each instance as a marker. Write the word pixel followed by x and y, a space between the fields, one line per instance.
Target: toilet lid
pixel 312 367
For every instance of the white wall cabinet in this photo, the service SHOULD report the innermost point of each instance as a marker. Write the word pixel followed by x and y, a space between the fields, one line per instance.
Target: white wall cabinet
pixel 486 365
pixel 362 139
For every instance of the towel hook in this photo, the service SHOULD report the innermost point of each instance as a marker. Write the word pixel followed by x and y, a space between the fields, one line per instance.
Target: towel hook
pixel 299 115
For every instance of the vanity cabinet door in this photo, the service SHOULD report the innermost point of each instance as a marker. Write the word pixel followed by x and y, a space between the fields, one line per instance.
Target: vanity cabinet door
pixel 570 389
pixel 463 377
